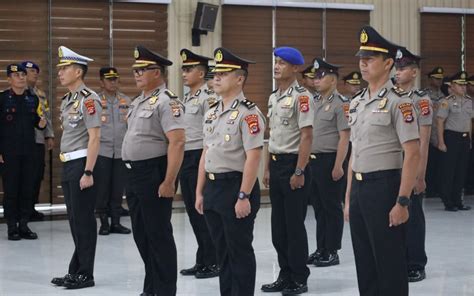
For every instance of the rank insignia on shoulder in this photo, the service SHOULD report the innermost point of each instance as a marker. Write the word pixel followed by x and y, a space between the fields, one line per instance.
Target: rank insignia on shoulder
pixel 209 91
pixel 407 112
pixel 170 94
pixel 420 92
pixel 300 89
pixel 252 123
pixel 211 101
pixel 343 98
pixel 248 104
pixel 450 97
pixel 85 92
pixel 399 91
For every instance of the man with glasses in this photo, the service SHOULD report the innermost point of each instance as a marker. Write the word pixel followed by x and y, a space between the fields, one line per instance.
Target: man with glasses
pixel 80 143
pixel 153 149
pixel 454 139
pixel 43 137
pixel 328 152
pixel 18 119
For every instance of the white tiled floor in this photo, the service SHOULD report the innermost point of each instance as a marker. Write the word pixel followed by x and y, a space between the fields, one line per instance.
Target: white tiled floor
pixel 26 267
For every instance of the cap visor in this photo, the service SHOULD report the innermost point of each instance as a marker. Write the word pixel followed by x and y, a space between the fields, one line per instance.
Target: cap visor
pixel 64 64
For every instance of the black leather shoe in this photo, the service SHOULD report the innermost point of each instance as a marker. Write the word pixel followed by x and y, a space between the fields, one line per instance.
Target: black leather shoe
pixel 148 294
pixel 192 270
pixel 79 281
pixel 314 257
pixel 277 286
pixel 207 272
pixel 416 275
pixel 104 230
pixel 14 234
pixel 295 288
pixel 450 208
pixel 328 259
pixel 124 212
pixel 59 281
pixel 464 208
pixel 36 216
pixel 119 228
pixel 26 233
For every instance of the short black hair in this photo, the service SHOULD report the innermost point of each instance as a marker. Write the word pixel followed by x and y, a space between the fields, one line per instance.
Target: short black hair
pixel 84 69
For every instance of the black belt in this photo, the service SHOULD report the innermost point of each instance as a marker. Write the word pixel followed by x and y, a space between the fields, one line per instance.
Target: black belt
pixel 144 163
pixel 284 157
pixel 376 175
pixel 322 155
pixel 221 176
pixel 458 134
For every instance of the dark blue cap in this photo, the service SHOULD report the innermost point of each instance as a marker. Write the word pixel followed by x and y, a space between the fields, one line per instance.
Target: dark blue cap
pixel 13 68
pixel 289 54
pixel 30 65
pixel 405 58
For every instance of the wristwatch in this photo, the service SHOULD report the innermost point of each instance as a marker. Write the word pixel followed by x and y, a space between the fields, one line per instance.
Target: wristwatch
pixel 299 172
pixel 243 195
pixel 88 173
pixel 403 201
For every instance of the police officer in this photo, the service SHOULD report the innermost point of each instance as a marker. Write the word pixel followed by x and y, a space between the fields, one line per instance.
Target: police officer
pixel 110 169
pixel 469 184
pixel 18 119
pixel 433 90
pixel 380 179
pixel 328 152
pixel 153 150
pixel 308 80
pixel 291 113
pixel 352 83
pixel 196 103
pixel 80 142
pixel 228 193
pixel 454 138
pixel 407 67
pixel 43 137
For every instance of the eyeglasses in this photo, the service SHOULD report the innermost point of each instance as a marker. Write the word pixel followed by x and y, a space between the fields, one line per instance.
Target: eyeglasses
pixel 141 71
pixel 18 74
pixel 319 74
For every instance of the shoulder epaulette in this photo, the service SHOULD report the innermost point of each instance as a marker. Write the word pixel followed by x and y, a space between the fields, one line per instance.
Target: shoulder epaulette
pixel 248 104
pixel 209 91
pixel 450 97
pixel 468 96
pixel 170 94
pixel 85 92
pixel 359 93
pixel 213 104
pixel 300 89
pixel 343 98
pixel 420 92
pixel 399 91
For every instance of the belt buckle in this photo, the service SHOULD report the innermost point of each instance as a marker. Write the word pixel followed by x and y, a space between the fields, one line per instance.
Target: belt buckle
pixel 211 176
pixel 358 176
pixel 274 157
pixel 128 165
pixel 62 157
pixel 312 156
pixel 464 135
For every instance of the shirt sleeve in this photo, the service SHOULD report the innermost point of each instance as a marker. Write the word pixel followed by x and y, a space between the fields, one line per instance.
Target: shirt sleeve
pixel 253 127
pixel 304 110
pixel 405 121
pixel 342 113
pixel 425 108
pixel 171 115
pixel 91 110
pixel 443 109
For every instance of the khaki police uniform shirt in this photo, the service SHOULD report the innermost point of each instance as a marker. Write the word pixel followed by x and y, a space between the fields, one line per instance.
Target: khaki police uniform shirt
pixel 423 107
pixel 114 123
pixel 330 118
pixel 379 124
pixel 289 112
pixel 45 112
pixel 230 132
pixel 80 111
pixel 435 97
pixel 195 106
pixel 149 119
pixel 458 113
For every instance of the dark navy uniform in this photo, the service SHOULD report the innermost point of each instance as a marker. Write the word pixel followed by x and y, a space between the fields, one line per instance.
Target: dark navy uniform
pixel 18 119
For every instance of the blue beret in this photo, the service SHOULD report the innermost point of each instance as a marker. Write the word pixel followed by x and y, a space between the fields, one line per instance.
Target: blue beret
pixel 30 65
pixel 13 68
pixel 290 54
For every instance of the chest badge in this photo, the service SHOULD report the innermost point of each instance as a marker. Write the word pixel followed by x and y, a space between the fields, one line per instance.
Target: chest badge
pixel 327 108
pixel 382 103
pixel 288 101
pixel 153 100
pixel 227 138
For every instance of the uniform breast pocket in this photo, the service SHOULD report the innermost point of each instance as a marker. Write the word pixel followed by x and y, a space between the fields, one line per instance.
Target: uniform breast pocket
pixel 144 121
pixel 194 109
pixel 286 115
pixel 327 116
pixel 145 113
pixel 456 110
pixel 379 127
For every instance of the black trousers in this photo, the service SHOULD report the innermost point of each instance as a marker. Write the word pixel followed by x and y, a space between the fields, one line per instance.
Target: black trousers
pixel 17 187
pixel 206 253
pixel 151 225
pixel 38 172
pixel 380 250
pixel 454 164
pixel 326 198
pixel 80 206
pixel 416 234
pixel 433 172
pixel 288 214
pixel 232 237
pixel 469 183
pixel 110 174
